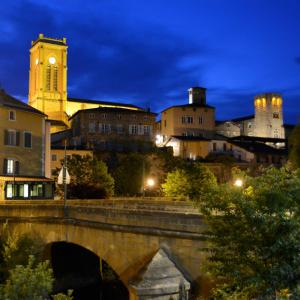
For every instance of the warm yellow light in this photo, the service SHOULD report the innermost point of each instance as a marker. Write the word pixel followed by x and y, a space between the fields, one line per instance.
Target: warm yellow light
pixel 52 60
pixel 238 182
pixel 150 182
pixel 258 102
pixel 264 102
pixel 278 101
pixel 36 61
pixel 273 101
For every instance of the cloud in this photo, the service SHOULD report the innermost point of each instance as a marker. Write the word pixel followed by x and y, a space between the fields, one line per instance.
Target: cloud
pixel 108 59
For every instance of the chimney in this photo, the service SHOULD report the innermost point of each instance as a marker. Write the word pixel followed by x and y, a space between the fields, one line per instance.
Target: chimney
pixel 197 95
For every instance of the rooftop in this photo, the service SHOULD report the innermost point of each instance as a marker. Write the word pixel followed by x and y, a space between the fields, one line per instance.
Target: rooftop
pixel 43 39
pixel 105 103
pixel 9 101
pixel 193 105
pixel 112 110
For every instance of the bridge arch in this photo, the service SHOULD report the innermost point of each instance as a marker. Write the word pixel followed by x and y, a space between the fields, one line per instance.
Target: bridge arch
pixel 125 237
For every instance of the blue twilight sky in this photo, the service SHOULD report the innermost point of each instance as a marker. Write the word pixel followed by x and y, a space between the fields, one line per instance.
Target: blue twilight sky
pixel 150 52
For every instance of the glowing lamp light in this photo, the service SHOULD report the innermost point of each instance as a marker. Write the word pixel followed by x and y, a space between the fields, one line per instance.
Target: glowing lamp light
pixel 238 182
pixel 52 60
pixel 36 61
pixel 150 182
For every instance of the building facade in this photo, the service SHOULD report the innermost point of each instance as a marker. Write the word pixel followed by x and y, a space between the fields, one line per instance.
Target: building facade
pixel 267 122
pixel 193 119
pixel 117 129
pixel 24 151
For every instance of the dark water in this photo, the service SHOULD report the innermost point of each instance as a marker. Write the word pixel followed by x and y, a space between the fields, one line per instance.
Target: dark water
pixel 112 290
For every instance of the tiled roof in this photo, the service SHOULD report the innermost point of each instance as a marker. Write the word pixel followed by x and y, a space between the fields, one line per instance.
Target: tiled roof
pixel 190 105
pixel 112 109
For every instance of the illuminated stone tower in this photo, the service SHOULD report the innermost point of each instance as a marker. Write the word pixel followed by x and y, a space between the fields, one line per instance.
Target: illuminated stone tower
pixel 48 77
pixel 268 116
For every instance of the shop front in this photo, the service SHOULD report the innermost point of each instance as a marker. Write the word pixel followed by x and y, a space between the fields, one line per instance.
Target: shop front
pixel 22 188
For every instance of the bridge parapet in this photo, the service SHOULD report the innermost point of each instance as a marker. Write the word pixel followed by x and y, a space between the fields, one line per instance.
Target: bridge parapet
pixel 137 215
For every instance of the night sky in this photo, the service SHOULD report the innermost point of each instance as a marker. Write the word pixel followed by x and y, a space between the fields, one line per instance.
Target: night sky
pixel 149 53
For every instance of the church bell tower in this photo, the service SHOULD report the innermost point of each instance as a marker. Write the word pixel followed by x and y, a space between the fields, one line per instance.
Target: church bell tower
pixel 48 77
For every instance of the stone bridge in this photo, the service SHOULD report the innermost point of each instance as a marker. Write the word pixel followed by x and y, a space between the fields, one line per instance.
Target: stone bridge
pixel 128 234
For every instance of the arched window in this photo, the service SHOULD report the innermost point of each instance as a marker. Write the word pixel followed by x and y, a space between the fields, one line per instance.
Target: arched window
pixel 55 79
pixel 48 78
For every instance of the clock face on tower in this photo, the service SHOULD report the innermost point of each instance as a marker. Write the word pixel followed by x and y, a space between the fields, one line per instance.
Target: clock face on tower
pixel 52 60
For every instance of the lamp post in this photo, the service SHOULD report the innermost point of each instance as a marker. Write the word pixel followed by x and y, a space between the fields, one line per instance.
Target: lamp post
pixel 65 179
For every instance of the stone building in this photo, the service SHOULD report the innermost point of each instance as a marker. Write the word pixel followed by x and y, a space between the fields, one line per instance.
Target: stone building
pixel 48 84
pixel 117 129
pixel 196 118
pixel 267 121
pixel 24 151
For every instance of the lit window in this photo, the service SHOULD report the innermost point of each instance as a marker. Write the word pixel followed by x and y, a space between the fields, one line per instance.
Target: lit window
pixel 27 140
pixel 279 101
pixel 12 115
pixel 10 166
pixel 9 190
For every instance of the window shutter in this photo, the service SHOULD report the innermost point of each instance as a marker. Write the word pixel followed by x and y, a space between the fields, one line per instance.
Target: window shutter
pixel 5 137
pixel 18 138
pixel 17 166
pixel 5 166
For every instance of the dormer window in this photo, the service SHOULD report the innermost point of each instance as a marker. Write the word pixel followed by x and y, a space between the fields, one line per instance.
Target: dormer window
pixel 12 115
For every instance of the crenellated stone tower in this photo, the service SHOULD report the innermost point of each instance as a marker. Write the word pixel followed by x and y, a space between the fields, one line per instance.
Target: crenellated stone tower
pixel 268 118
pixel 48 77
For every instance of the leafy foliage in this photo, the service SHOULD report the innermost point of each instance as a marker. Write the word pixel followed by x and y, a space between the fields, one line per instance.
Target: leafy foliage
pixel 28 282
pixel 254 235
pixel 294 145
pixel 191 182
pixel 15 249
pixel 89 178
pixel 128 174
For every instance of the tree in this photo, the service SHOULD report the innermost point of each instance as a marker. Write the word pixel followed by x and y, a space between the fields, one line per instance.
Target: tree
pixel 294 147
pixel 89 178
pixel 30 282
pixel 15 249
pixel 254 235
pixel 128 174
pixel 191 182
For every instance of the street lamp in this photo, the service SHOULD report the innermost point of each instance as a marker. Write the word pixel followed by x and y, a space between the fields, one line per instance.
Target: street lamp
pixel 150 182
pixel 238 182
